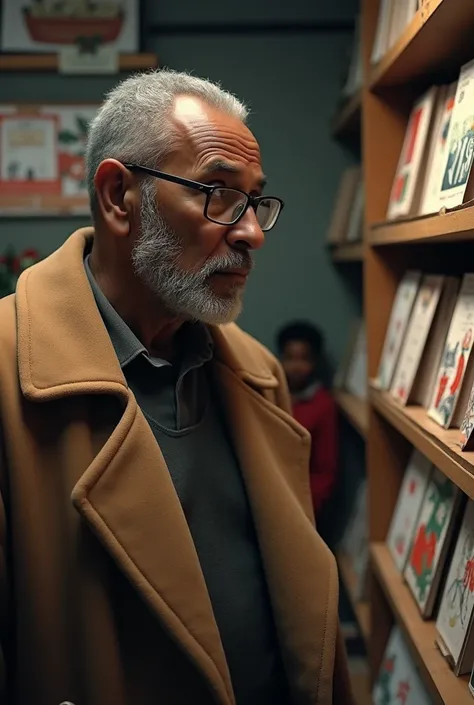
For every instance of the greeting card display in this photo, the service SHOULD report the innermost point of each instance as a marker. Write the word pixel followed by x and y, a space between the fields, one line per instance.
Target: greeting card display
pixel 431 540
pixel 397 325
pixel 430 202
pixel 398 682
pixel 344 205
pixel 356 376
pixel 455 616
pixel 404 189
pixel 418 329
pixel 460 141
pixel 467 425
pixel 49 26
pixel 355 542
pixel 407 510
pixel 42 159
pixel 447 403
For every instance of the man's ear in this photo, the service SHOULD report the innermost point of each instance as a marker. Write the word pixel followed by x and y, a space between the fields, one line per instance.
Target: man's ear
pixel 117 194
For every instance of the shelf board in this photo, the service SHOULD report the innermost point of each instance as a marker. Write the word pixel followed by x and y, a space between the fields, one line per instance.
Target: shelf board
pixel 452 226
pixel 439 37
pixel 355 410
pixel 438 677
pixel 347 121
pixel 360 608
pixel 348 252
pixel 441 446
pixel 49 62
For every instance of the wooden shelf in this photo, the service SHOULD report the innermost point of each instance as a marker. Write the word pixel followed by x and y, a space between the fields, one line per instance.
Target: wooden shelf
pixel 439 679
pixel 355 410
pixel 348 252
pixel 49 62
pixel 361 609
pixel 439 38
pixel 347 122
pixel 441 446
pixel 452 226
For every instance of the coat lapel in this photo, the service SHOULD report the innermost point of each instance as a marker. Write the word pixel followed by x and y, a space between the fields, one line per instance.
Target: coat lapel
pixel 125 494
pixel 300 571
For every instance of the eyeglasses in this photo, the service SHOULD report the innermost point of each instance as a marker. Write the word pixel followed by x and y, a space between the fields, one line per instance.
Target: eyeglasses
pixel 225 206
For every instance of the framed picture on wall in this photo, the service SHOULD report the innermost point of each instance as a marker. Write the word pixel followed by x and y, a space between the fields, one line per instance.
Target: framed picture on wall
pixel 40 26
pixel 42 159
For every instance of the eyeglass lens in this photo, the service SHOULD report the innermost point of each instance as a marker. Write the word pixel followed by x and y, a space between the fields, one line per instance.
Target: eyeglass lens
pixel 226 205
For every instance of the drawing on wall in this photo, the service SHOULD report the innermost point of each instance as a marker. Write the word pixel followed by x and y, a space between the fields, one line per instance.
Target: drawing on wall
pixel 49 25
pixel 42 159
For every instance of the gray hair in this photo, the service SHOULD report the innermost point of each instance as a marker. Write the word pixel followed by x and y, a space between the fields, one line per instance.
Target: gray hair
pixel 122 127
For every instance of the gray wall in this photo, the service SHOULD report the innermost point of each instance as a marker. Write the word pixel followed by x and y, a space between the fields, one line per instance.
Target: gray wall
pixel 291 82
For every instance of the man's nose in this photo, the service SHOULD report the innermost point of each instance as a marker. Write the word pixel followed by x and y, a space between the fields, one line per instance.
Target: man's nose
pixel 247 233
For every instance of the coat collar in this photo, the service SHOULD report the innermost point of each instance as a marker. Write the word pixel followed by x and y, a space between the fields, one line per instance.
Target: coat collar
pixel 64 348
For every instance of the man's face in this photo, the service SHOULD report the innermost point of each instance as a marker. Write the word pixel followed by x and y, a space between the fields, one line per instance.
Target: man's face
pixel 198 268
pixel 298 363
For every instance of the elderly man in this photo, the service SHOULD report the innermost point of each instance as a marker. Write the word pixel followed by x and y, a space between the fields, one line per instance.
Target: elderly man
pixel 157 535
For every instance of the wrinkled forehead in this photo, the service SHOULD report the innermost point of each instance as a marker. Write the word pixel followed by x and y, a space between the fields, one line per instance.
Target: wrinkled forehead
pixel 211 136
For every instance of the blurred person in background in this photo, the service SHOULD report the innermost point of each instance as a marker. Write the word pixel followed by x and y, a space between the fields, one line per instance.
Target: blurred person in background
pixel 157 539
pixel 301 350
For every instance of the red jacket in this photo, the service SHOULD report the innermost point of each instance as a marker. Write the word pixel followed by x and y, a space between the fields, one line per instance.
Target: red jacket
pixel 317 413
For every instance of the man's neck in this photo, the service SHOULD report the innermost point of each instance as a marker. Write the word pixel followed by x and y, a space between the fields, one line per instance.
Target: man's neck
pixel 151 323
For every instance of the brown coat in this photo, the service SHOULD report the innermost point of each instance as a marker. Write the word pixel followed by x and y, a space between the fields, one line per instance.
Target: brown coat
pixel 102 600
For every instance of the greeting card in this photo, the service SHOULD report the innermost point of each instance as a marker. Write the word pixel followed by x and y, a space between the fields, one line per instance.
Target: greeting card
pixel 431 540
pixel 409 502
pixel 455 616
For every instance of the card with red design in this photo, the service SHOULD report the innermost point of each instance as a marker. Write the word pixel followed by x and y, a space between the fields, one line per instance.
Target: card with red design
pixel 406 183
pixel 455 374
pixel 410 499
pixel 438 145
pixel 398 682
pixel 42 159
pixel 431 540
pixel 455 616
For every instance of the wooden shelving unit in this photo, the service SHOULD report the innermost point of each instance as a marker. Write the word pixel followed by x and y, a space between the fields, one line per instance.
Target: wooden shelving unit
pixel 49 62
pixel 347 121
pixel 432 48
pixel 360 608
pixel 355 410
pixel 452 226
pixel 443 685
pixel 438 38
pixel 348 252
pixel 441 446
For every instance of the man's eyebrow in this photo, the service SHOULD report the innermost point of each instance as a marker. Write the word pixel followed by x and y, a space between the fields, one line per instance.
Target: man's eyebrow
pixel 222 165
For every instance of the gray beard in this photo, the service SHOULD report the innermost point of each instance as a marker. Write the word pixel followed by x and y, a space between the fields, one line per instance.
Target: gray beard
pixel 155 257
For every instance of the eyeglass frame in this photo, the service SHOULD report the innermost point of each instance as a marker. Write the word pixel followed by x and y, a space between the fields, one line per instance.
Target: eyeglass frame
pixel 208 190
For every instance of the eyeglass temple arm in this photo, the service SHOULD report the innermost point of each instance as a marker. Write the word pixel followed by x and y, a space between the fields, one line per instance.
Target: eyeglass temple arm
pixel 170 177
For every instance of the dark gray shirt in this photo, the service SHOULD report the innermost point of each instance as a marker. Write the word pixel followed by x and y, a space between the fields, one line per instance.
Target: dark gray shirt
pixel 184 413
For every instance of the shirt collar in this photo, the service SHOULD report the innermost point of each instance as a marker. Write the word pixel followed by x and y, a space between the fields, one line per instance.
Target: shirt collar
pixel 199 343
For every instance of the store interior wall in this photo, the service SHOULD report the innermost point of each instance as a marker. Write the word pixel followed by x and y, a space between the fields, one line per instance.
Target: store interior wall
pixel 291 80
